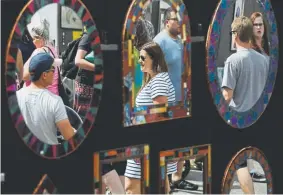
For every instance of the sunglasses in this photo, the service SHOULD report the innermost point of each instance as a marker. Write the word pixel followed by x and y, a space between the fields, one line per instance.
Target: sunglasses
pixel 142 58
pixel 175 19
pixel 258 24
pixel 233 32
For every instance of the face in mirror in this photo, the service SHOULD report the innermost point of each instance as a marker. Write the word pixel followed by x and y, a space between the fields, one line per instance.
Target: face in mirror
pixel 156 81
pixel 239 44
pixel 187 174
pixel 55 71
pixel 249 179
pixel 250 175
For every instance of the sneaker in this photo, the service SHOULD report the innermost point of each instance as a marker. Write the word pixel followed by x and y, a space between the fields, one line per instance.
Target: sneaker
pixel 183 185
pixel 258 177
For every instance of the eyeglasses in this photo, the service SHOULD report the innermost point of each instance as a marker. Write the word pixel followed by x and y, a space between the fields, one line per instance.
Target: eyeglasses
pixel 51 70
pixel 175 19
pixel 233 32
pixel 258 24
pixel 142 58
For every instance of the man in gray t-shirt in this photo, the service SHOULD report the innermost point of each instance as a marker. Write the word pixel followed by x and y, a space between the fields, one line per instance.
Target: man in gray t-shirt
pixel 43 111
pixel 245 72
pixel 245 75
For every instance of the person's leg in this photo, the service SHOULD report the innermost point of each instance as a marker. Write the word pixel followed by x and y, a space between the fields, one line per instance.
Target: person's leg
pixel 133 177
pixel 132 185
pixel 178 175
pixel 112 180
pixel 245 179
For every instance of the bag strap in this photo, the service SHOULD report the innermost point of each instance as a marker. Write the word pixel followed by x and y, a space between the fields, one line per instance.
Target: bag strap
pixel 49 51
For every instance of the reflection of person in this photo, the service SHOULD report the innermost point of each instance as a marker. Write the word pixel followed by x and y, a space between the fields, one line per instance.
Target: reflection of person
pixel 42 110
pixel 157 87
pixel 40 36
pixel 85 77
pixel 259 29
pixel 245 72
pixel 172 48
pixel 133 176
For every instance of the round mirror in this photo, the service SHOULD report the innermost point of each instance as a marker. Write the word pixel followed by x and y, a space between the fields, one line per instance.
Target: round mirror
pixel 156 62
pixel 242 59
pixel 248 173
pixel 54 73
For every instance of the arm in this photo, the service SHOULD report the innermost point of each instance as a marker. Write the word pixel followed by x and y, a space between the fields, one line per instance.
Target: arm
pixel 160 100
pixel 61 119
pixel 65 129
pixel 229 81
pixel 20 65
pixel 227 94
pixel 81 62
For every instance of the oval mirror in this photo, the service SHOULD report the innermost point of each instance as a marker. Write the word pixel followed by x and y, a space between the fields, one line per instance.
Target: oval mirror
pixel 248 173
pixel 242 59
pixel 54 74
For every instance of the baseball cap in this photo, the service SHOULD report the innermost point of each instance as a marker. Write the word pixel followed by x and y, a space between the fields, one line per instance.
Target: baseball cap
pixel 39 63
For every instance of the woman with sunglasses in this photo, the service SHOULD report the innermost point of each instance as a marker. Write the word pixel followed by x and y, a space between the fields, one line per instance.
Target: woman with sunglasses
pixel 259 39
pixel 40 36
pixel 157 88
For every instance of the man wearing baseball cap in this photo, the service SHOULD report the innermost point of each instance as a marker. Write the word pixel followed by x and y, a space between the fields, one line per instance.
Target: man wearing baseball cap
pixel 43 112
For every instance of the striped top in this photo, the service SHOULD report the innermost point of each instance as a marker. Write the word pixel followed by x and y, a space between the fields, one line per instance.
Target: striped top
pixel 160 85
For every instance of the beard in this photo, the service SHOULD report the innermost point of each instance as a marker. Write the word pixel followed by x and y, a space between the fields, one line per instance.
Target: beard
pixel 174 32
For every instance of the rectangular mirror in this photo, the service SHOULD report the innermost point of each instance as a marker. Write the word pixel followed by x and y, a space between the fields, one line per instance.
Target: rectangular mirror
pixel 186 170
pixel 122 170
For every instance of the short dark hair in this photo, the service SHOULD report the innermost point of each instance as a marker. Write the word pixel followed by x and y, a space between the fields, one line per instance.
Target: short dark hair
pixel 167 14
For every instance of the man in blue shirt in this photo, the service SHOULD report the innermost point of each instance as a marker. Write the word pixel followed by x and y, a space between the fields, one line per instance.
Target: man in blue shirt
pixel 172 47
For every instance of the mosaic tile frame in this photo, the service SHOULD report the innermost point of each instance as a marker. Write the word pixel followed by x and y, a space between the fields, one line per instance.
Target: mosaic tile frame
pixel 186 153
pixel 173 110
pixel 238 159
pixel 233 118
pixel 45 183
pixel 120 154
pixel 39 147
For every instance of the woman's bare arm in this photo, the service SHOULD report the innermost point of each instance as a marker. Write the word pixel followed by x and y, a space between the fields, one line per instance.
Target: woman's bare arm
pixel 160 100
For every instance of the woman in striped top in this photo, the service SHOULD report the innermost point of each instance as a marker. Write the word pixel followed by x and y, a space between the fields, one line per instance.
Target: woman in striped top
pixel 157 89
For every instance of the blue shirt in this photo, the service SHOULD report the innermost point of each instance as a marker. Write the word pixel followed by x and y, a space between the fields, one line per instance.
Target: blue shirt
pixel 173 52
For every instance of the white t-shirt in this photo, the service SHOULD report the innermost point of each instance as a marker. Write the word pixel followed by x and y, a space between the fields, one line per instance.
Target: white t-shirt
pixel 41 110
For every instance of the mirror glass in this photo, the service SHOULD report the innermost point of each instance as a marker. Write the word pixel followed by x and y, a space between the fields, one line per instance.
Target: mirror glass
pixel 187 170
pixel 242 55
pixel 122 171
pixel 157 82
pixel 257 177
pixel 248 173
pixel 53 71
